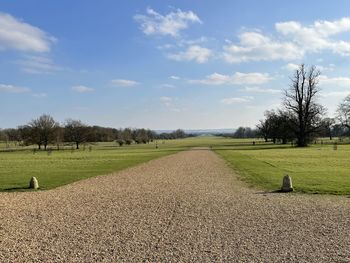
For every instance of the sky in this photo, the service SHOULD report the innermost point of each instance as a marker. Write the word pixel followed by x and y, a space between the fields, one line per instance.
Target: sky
pixel 166 64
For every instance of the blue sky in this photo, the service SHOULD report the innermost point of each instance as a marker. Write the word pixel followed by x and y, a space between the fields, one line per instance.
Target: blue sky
pixel 166 64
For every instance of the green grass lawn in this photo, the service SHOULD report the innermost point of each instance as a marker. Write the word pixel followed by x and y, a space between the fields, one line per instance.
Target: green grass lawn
pixel 315 169
pixel 64 167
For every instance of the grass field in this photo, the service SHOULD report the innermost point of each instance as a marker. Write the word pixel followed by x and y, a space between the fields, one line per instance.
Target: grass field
pixel 315 169
pixel 63 167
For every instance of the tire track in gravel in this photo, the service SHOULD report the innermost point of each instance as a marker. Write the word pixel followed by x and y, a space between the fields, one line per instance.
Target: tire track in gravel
pixel 187 207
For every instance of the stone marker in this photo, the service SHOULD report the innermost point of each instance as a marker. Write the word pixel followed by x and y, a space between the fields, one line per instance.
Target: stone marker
pixel 287 184
pixel 33 184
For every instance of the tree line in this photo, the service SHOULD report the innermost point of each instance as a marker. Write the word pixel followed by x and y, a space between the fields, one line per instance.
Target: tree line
pixel 44 131
pixel 302 118
pixel 241 133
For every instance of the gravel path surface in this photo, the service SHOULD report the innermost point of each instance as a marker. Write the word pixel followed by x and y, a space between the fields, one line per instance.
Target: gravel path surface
pixel 188 207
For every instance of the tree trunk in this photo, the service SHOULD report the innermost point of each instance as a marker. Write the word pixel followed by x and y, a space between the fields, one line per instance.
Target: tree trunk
pixel 77 143
pixel 301 141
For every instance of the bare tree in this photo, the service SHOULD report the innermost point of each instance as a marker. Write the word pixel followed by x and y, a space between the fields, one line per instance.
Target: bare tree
pixel 343 112
pixel 127 136
pixel 42 130
pixel 75 131
pixel 301 101
pixel 3 135
pixel 327 125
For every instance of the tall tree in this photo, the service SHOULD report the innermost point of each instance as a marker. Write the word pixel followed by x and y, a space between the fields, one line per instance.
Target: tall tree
pixel 75 131
pixel 301 102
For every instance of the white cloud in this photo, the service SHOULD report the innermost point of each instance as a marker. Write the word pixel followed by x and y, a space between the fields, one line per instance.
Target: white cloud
pixel 124 82
pixel 171 24
pixel 250 78
pixel 18 35
pixel 235 100
pixel 336 94
pixel 254 46
pixel 174 77
pixel 292 42
pixel 329 67
pixel 13 89
pixel 38 65
pixel 316 37
pixel 82 89
pixel 291 66
pixel 236 79
pixel 336 81
pixel 214 79
pixel 261 90
pixel 195 52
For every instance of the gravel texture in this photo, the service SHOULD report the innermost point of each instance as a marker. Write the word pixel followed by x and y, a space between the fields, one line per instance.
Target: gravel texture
pixel 188 207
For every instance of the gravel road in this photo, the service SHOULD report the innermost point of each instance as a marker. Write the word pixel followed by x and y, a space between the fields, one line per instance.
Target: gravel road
pixel 187 207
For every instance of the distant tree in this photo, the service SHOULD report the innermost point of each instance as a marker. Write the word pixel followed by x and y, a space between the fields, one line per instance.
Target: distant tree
pixel 118 137
pixel 301 103
pixel 338 130
pixel 250 133
pixel 108 134
pixel 59 136
pixel 151 135
pixel 3 136
pixel 264 126
pixel 13 135
pixel 239 133
pixel 101 134
pixel 343 112
pixel 41 131
pixel 163 136
pixel 326 127
pixel 28 135
pixel 127 136
pixel 276 126
pixel 245 132
pixel 140 136
pixel 283 126
pixel 134 135
pixel 179 134
pixel 75 131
